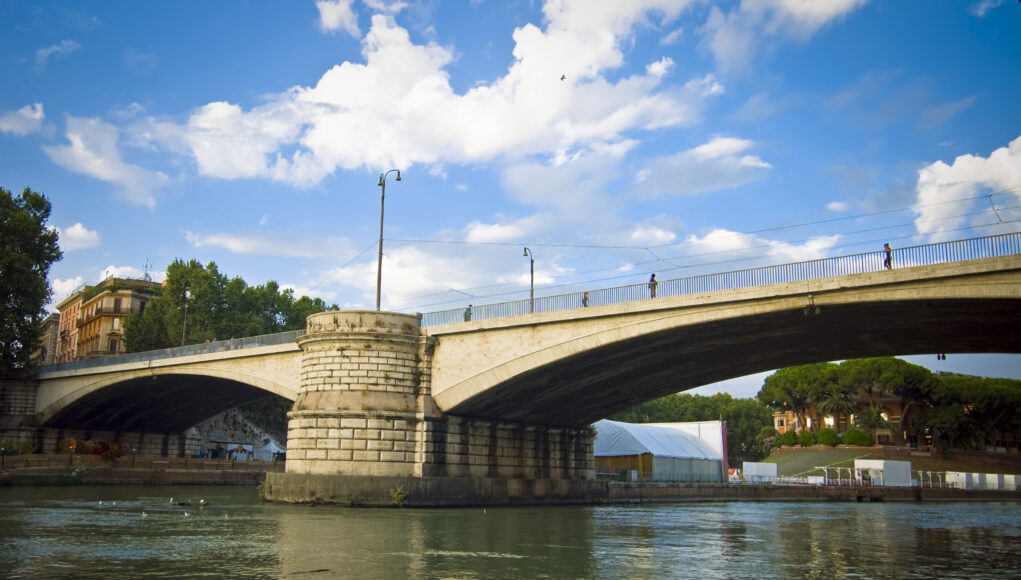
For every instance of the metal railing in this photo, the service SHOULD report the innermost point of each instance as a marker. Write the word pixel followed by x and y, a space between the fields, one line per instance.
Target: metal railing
pixel 177 351
pixel 924 255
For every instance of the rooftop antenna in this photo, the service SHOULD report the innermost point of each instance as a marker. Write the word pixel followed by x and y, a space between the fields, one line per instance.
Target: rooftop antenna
pixel 145 270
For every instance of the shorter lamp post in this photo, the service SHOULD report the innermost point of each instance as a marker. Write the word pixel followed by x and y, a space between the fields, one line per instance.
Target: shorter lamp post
pixel 531 287
pixel 379 265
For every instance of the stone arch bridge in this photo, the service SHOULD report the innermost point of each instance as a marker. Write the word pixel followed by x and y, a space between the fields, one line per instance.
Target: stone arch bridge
pixel 378 394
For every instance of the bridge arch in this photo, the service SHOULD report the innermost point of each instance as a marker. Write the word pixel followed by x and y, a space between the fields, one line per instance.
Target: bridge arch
pixel 169 399
pixel 589 376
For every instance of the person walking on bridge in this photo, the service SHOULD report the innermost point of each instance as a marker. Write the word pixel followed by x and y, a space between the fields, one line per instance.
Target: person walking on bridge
pixel 652 285
pixel 468 313
pixel 888 262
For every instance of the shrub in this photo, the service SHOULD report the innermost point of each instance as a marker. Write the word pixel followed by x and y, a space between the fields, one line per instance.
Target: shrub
pixel 806 438
pixel 398 495
pixel 828 436
pixel 858 437
pixel 766 438
pixel 788 438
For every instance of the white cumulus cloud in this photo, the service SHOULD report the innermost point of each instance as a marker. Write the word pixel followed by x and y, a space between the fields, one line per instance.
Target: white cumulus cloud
pixel 397 108
pixel 945 192
pixel 28 119
pixel 112 271
pixel 93 151
pixel 721 163
pixel 983 7
pixel 267 244
pixel 338 15
pixel 62 288
pixel 77 237
pixel 61 49
pixel 726 245
pixel 734 37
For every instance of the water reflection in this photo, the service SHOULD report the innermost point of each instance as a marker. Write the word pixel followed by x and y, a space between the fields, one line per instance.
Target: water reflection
pixel 67 532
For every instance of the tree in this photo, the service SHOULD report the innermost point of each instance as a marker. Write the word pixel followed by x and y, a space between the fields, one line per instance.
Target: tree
pixel 795 389
pixel 871 419
pixel 884 375
pixel 27 250
pixel 837 400
pixel 198 303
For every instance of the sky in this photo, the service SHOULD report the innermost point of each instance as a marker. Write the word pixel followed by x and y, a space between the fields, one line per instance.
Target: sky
pixel 613 139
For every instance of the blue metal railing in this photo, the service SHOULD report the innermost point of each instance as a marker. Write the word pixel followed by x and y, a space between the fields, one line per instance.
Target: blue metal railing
pixel 929 254
pixel 188 350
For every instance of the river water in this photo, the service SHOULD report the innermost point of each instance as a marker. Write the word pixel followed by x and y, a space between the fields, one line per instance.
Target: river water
pixel 114 532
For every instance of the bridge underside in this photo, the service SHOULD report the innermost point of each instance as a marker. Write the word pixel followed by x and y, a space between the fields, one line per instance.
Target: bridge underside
pixel 165 404
pixel 589 386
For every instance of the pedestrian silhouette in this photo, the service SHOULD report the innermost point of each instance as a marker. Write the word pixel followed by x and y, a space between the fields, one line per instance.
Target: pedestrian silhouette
pixel 888 262
pixel 468 313
pixel 652 285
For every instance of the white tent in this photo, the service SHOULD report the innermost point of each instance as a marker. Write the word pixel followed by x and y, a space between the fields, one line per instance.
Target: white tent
pixel 678 451
pixel 267 452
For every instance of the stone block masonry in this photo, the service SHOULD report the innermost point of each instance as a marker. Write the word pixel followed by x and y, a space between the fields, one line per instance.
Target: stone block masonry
pixel 364 387
pixel 364 408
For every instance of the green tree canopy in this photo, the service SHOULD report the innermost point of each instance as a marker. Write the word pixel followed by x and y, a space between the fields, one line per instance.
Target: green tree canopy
pixel 27 249
pixel 199 303
pixel 795 389
pixel 957 411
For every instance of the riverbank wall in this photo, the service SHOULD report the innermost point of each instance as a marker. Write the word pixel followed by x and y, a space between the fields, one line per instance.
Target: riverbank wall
pixel 62 469
pixel 462 492
pixel 377 491
pixel 64 476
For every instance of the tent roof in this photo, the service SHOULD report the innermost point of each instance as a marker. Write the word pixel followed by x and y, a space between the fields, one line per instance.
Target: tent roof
pixel 614 438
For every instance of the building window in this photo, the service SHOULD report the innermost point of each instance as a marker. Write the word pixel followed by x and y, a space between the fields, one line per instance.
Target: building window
pixel 113 345
pixel 116 305
pixel 141 307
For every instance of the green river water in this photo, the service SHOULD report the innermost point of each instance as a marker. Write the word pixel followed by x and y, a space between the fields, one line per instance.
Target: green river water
pixel 101 532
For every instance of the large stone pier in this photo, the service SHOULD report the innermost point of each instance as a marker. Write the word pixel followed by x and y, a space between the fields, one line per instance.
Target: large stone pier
pixel 365 430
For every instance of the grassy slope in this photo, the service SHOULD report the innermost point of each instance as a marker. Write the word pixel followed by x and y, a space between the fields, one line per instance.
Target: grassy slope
pixel 804 461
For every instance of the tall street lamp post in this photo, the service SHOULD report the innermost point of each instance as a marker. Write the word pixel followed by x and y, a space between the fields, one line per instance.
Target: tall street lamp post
pixel 382 197
pixel 184 325
pixel 531 288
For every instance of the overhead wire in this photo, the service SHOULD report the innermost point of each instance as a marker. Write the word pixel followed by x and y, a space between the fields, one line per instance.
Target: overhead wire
pixel 472 292
pixel 675 266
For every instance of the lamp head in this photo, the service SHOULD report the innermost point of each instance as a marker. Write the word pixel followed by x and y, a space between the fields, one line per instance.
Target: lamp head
pixel 380 180
pixel 526 252
pixel 398 175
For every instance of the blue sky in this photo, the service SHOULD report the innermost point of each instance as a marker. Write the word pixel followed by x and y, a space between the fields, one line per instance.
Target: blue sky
pixel 615 139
